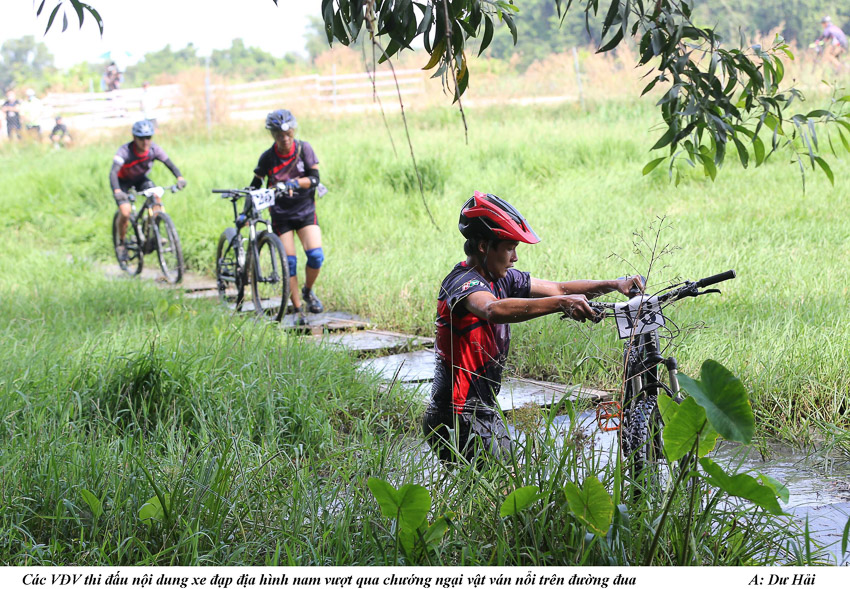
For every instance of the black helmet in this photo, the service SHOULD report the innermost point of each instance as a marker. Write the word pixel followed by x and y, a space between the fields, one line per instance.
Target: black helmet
pixel 280 120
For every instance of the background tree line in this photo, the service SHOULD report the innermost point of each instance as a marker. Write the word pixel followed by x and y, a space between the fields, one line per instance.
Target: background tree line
pixel 28 62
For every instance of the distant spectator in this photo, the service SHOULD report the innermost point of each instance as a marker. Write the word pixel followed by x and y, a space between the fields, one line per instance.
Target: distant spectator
pixel 33 111
pixel 148 104
pixel 12 108
pixel 112 77
pixel 834 43
pixel 59 136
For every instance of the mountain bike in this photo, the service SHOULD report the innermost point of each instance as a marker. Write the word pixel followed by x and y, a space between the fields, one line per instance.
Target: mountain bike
pixel 258 259
pixel 149 231
pixel 637 416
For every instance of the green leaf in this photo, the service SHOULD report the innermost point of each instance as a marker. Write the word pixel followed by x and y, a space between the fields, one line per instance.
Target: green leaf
pixel 52 16
pixel 724 399
pixel 591 504
pixel 826 169
pixel 652 165
pixel 778 488
pixel 708 165
pixel 93 502
pixel 436 531
pixel 758 150
pixel 436 55
pixel 488 35
pixel 743 154
pixel 154 510
pixel 741 485
pixel 683 423
pixel 409 504
pixel 518 500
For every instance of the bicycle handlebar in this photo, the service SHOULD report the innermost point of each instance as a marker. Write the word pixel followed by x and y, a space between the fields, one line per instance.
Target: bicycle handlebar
pixel 723 276
pixel 690 289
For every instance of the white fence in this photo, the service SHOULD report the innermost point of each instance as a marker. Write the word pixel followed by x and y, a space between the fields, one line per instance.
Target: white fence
pixel 214 102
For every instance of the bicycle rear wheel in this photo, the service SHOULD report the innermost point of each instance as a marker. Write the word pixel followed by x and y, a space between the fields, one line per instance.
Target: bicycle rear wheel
pixel 229 268
pixel 129 253
pixel 269 280
pixel 168 248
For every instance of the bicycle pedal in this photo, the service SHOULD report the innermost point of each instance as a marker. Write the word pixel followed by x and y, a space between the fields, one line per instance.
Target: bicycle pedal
pixel 609 416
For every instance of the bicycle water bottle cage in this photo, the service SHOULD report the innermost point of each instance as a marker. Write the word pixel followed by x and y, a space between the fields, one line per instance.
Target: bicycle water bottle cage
pixel 609 415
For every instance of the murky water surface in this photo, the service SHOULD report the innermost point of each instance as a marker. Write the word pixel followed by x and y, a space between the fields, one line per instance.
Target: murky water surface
pixel 819 489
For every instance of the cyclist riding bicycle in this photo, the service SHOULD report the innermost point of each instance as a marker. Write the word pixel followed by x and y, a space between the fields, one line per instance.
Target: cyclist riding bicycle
pixel 130 168
pixel 294 164
pixel 834 43
pixel 476 302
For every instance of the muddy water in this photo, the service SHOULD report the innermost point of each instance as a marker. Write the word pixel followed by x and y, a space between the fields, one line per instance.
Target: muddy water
pixel 819 490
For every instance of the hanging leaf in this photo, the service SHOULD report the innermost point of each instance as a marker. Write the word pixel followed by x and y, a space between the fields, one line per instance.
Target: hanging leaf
pixel 652 165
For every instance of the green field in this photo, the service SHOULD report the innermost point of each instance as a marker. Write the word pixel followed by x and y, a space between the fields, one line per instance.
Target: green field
pixel 115 389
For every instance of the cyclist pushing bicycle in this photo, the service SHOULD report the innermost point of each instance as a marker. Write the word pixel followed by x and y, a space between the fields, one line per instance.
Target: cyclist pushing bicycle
pixel 293 164
pixel 130 167
pixel 477 301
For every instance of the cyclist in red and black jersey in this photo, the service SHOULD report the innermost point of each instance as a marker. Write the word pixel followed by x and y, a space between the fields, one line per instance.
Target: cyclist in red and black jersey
pixel 294 164
pixel 477 301
pixel 130 167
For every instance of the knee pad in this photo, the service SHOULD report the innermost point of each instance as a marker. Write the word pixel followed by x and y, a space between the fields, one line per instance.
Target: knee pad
pixel 315 257
pixel 293 265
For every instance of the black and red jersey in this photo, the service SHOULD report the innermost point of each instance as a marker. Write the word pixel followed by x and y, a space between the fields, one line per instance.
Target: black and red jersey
pixel 276 167
pixel 471 352
pixel 137 165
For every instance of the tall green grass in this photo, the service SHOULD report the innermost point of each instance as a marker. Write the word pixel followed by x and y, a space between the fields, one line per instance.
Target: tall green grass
pixel 782 325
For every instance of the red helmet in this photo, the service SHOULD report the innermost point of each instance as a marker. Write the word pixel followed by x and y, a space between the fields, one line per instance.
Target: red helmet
pixel 489 217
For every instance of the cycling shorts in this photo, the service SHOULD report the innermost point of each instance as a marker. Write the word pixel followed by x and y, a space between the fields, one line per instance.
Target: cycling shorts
pixel 138 185
pixel 281 224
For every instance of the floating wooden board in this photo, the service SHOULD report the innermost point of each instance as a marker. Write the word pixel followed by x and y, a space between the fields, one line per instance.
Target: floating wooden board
pixel 410 367
pixel 318 323
pixel 373 340
pixel 518 392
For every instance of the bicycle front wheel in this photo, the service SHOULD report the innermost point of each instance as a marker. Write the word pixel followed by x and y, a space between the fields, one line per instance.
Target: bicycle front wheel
pixel 229 268
pixel 269 278
pixel 168 248
pixel 129 253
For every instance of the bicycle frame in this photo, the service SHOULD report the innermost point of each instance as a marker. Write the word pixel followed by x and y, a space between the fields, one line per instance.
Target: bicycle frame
pixel 151 201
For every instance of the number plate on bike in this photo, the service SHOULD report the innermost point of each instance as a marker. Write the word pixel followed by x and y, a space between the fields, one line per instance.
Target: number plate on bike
pixel 262 199
pixel 638 315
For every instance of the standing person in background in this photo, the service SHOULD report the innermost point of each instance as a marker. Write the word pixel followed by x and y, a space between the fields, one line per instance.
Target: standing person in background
pixel 112 77
pixel 834 43
pixel 294 164
pixel 130 168
pixel 59 136
pixel 33 111
pixel 12 108
pixel 148 104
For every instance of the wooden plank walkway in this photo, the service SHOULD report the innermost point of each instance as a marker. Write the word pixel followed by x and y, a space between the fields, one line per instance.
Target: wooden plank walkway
pixel 413 367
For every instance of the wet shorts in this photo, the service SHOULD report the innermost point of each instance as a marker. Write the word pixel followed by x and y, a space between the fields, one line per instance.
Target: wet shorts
pixel 138 185
pixel 473 436
pixel 281 225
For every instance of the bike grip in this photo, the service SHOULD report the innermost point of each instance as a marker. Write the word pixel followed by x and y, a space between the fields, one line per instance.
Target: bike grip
pixel 220 191
pixel 728 275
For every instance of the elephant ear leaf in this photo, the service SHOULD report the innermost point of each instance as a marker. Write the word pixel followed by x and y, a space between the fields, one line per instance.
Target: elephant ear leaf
pixel 591 504
pixel 724 399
